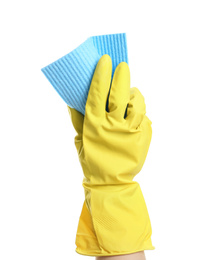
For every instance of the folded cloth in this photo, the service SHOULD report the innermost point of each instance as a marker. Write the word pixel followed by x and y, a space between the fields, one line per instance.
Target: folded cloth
pixel 71 75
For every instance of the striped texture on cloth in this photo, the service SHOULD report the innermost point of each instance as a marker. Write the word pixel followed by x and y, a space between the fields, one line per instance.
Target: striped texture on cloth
pixel 71 75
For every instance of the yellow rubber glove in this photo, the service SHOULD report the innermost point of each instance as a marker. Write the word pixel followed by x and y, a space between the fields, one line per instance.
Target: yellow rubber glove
pixel 112 150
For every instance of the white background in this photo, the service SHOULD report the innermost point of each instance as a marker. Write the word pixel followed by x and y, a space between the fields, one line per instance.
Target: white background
pixel 41 193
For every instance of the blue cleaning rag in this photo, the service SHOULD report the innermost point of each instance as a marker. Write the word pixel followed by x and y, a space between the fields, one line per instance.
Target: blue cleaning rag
pixel 71 75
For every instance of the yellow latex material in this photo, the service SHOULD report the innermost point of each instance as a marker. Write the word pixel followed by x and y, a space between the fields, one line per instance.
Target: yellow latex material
pixel 112 150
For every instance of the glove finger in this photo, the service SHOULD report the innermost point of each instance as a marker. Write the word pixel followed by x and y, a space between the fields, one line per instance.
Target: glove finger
pixel 120 91
pixel 99 88
pixel 143 140
pixel 136 108
pixel 77 120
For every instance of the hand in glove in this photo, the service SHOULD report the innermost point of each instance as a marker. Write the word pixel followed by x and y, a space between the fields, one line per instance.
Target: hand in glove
pixel 112 147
